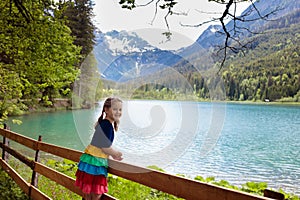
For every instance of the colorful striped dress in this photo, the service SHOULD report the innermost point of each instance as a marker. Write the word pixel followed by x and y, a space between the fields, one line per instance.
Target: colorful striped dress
pixel 91 176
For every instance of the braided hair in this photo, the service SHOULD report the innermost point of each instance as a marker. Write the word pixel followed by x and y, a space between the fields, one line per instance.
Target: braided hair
pixel 107 104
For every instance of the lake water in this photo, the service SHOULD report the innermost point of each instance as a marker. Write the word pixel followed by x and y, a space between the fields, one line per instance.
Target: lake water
pixel 234 142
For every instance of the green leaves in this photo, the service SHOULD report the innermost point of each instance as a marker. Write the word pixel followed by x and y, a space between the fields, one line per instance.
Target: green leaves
pixel 10 90
pixel 38 58
pixel 253 187
pixel 9 189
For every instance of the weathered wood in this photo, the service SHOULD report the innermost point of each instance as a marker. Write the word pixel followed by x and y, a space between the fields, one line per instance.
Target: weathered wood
pixel 6 142
pixel 273 194
pixel 19 156
pixel 178 186
pixel 67 153
pixel 34 177
pixel 36 194
pixel 15 176
pixel 63 179
pixel 3 149
pixel 107 197
pixel 26 141
pixel 6 154
pixel 57 177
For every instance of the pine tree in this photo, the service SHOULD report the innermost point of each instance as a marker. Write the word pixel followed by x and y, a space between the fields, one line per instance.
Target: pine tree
pixel 79 14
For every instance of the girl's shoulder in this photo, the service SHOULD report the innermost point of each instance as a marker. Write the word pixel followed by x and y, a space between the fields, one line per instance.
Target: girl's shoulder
pixel 105 123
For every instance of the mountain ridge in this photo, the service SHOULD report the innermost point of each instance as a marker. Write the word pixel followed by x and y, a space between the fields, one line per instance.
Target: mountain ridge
pixel 137 58
pixel 124 55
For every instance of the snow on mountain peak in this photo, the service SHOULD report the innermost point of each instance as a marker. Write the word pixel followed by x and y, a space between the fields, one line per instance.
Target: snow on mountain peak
pixel 121 43
pixel 122 46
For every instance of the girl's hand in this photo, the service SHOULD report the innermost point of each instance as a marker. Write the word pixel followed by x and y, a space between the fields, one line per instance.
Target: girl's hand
pixel 117 156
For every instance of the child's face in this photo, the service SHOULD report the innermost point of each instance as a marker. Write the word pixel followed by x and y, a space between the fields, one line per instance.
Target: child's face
pixel 114 113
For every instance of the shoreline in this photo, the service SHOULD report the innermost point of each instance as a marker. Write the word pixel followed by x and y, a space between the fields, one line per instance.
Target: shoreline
pixel 265 103
pixel 62 107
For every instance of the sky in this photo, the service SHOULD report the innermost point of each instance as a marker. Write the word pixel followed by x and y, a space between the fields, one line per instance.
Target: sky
pixel 110 16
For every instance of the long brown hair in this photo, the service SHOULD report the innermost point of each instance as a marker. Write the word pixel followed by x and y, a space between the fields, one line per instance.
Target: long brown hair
pixel 107 104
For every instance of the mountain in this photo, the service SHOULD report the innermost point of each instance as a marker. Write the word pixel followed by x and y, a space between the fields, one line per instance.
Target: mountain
pixel 124 55
pixel 212 36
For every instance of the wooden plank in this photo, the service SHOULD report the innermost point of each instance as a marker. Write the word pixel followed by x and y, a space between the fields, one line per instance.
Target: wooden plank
pixel 36 194
pixel 63 180
pixel 26 141
pixel 178 186
pixel 19 156
pixel 58 177
pixel 107 197
pixel 63 152
pixel 15 176
pixel 273 194
pixel 3 132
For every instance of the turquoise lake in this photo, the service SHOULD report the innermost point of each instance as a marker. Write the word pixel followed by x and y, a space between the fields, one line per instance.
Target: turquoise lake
pixel 234 142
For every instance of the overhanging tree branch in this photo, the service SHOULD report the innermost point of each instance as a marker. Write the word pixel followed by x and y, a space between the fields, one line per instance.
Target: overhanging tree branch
pixel 22 9
pixel 232 36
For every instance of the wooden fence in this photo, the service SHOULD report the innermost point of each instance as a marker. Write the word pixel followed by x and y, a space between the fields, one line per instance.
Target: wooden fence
pixel 178 186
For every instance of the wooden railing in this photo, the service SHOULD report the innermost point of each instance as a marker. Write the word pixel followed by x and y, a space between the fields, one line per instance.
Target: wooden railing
pixel 178 186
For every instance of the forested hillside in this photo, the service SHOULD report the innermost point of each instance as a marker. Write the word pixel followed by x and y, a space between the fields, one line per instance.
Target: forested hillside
pixel 268 70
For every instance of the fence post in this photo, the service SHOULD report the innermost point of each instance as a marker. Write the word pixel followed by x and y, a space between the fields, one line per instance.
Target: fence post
pixel 5 142
pixel 34 178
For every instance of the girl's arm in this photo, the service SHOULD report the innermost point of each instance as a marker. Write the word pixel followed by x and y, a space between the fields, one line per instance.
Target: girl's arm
pixel 117 155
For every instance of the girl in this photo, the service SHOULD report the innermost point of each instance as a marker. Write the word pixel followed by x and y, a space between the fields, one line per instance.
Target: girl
pixel 91 176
